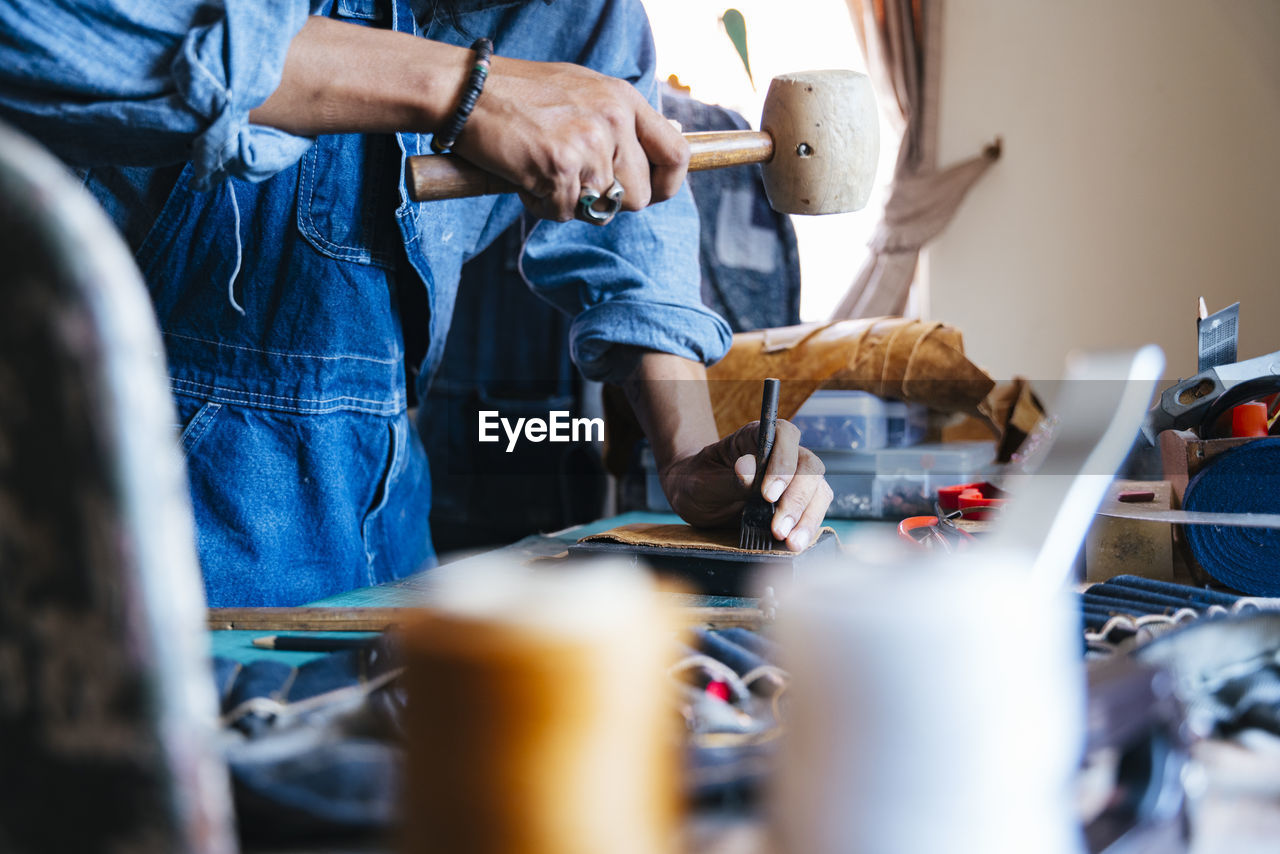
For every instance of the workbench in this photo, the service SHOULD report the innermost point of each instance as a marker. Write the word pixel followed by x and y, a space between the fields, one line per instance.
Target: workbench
pixel 1237 808
pixel 708 833
pixel 416 589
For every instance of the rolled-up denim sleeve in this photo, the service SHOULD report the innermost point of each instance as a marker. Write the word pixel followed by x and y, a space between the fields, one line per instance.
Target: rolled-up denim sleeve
pixel 101 82
pixel 635 281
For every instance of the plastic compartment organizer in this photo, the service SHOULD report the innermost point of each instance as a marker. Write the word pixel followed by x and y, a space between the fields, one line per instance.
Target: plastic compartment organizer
pixel 890 483
pixel 893 483
pixel 857 421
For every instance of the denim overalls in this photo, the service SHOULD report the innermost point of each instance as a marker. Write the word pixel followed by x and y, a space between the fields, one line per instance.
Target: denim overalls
pixel 279 315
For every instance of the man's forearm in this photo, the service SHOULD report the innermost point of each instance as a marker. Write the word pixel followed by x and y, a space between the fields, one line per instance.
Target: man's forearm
pixel 345 78
pixel 550 128
pixel 670 400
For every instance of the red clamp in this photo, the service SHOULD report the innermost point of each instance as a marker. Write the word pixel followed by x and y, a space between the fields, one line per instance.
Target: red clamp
pixel 964 496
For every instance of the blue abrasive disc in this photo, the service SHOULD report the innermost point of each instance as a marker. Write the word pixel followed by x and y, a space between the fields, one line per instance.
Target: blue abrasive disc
pixel 1245 479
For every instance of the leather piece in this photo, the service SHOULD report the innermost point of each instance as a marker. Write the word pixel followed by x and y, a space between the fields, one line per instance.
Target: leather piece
pixel 655 535
pixel 707 562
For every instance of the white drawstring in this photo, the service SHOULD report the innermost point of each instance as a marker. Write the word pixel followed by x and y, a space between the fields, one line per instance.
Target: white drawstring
pixel 231 284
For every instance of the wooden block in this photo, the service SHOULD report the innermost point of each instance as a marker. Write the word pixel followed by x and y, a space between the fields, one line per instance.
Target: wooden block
pixel 1199 452
pixel 1184 454
pixel 1127 546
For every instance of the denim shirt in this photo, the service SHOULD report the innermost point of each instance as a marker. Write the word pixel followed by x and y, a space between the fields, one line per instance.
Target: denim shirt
pixel 273 260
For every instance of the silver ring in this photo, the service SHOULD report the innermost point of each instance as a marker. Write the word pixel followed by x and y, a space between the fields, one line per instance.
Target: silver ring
pixel 597 209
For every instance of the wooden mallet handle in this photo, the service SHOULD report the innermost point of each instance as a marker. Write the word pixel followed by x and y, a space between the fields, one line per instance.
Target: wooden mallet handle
pixel 819 143
pixel 442 176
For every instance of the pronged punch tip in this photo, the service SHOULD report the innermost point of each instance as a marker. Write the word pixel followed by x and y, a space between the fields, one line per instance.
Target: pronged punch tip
pixel 757 514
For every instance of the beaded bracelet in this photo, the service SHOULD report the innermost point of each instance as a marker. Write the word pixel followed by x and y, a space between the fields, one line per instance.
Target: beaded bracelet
pixel 444 140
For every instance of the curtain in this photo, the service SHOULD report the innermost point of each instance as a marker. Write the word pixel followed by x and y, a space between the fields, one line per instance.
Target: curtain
pixel 901 42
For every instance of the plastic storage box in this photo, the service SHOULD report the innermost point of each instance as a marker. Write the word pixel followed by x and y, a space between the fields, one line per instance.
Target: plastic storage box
pixel 906 424
pixel 890 483
pixel 858 421
pixel 893 483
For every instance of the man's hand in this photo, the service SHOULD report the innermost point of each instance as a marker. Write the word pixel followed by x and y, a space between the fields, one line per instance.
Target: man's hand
pixel 707 479
pixel 553 129
pixel 709 488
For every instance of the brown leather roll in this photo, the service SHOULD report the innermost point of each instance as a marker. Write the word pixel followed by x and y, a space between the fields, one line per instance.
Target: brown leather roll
pixel 892 357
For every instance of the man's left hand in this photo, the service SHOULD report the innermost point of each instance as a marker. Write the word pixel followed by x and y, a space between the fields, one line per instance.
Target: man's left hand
pixel 709 488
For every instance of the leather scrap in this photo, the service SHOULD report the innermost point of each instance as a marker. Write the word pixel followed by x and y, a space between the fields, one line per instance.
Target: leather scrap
pixel 668 536
pixel 1014 407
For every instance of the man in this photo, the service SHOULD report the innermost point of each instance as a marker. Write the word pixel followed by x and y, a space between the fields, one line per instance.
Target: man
pixel 252 153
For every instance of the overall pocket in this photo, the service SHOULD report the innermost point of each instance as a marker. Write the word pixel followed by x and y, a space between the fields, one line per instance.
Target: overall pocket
pixel 346 208
pixel 397 429
pixel 195 417
pixel 347 182
pixel 396 530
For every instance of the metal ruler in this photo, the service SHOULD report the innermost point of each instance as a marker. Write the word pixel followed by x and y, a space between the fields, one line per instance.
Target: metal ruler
pixel 1195 517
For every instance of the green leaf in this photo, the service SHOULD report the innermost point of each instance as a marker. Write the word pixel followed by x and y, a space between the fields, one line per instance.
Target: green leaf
pixel 736 27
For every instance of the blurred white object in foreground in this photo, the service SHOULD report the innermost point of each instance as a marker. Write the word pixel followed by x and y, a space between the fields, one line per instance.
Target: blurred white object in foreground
pixel 938 702
pixel 935 708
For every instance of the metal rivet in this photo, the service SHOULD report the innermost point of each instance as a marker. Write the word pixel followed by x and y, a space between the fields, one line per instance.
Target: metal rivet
pixel 804 149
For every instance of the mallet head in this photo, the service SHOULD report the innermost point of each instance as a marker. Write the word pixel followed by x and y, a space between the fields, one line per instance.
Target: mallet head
pixel 826 141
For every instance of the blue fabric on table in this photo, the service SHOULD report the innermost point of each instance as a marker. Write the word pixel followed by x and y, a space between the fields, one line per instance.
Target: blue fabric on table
pixel 738 657
pixel 1196 597
pixel 1169 599
pixel 1132 596
pixel 259 679
pixel 1142 603
pixel 754 641
pixel 332 769
pixel 225 671
pixel 333 671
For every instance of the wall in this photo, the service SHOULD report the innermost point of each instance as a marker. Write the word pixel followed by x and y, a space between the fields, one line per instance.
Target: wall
pixel 1140 171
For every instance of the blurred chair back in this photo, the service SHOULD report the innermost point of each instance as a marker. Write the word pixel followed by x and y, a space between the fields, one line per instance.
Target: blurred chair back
pixel 107 712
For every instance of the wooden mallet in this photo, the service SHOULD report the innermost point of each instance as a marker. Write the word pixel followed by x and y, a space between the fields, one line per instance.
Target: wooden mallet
pixel 819 143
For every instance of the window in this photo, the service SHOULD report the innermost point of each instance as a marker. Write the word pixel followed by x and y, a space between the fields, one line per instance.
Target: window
pixel 781 37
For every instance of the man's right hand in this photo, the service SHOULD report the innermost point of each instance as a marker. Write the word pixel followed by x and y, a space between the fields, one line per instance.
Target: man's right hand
pixel 556 129
pixel 553 129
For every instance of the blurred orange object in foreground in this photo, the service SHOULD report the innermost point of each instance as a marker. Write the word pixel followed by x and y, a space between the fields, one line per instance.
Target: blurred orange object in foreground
pixel 538 719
